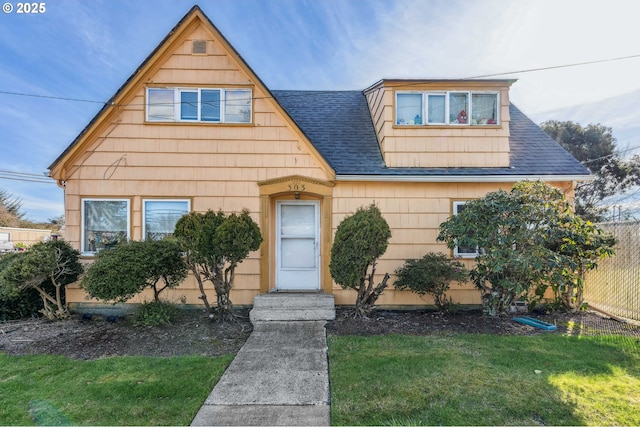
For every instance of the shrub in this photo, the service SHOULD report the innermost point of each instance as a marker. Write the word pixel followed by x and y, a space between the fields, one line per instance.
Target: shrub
pixel 124 271
pixel 12 306
pixel 215 244
pixel 27 304
pixel 189 234
pixel 528 237
pixel 432 274
pixel 578 245
pixel 359 241
pixel 155 313
pixel 47 268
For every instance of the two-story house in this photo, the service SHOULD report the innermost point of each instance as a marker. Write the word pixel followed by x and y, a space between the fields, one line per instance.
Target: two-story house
pixel 194 128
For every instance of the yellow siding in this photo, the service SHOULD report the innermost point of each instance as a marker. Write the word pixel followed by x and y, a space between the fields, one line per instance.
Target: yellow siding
pixel 414 212
pixel 231 167
pixel 439 146
pixel 215 166
pixel 376 102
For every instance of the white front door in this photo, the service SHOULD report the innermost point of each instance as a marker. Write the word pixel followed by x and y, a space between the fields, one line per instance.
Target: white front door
pixel 297 245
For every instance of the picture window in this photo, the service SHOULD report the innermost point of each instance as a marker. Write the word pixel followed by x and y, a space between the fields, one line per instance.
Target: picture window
pixel 160 217
pixel 105 223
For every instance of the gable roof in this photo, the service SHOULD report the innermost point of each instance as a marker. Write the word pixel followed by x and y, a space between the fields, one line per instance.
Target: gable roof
pixel 338 130
pixel 339 124
pixel 122 88
pixel 137 78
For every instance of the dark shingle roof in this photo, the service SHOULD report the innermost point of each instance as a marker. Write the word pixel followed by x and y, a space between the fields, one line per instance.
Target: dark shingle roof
pixel 339 125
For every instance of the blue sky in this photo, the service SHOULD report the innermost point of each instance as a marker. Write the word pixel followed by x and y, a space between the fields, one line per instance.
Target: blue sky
pixel 86 49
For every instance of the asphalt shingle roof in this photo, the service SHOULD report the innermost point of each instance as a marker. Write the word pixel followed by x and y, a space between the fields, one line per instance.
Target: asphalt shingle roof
pixel 339 125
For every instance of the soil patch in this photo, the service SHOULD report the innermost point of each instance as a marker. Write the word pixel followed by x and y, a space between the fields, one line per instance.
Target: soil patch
pixel 194 334
pixel 474 322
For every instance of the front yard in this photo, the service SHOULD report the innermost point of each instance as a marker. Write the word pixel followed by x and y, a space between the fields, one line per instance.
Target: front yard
pixel 485 380
pixel 409 369
pixel 56 390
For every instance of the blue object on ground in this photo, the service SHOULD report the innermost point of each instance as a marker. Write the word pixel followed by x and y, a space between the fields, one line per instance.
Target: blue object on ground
pixel 535 323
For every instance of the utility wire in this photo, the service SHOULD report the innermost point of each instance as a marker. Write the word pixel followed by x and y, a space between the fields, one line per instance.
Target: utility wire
pixel 408 84
pixel 610 155
pixel 25 177
pixel 34 175
pixel 27 180
pixel 554 67
pixel 33 95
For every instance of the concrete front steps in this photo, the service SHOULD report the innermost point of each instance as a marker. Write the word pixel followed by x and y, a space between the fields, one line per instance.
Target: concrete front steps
pixel 292 306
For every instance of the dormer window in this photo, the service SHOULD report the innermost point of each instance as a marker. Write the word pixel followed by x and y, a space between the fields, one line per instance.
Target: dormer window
pixel 447 108
pixel 207 105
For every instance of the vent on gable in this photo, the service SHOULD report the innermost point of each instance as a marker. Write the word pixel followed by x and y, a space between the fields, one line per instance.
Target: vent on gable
pixel 199 47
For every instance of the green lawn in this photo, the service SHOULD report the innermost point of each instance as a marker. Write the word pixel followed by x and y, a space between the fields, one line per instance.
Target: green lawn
pixel 545 379
pixel 55 390
pixel 485 380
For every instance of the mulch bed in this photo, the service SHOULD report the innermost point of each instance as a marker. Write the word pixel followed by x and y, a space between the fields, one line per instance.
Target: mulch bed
pixel 194 334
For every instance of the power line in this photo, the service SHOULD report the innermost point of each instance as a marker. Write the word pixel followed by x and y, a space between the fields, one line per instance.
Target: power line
pixel 554 67
pixel 25 177
pixel 408 84
pixel 34 175
pixel 27 180
pixel 33 95
pixel 611 155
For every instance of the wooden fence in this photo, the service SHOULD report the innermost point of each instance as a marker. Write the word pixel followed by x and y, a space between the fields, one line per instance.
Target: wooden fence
pixel 615 286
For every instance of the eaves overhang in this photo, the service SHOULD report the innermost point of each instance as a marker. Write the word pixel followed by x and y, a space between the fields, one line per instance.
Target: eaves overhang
pixel 463 178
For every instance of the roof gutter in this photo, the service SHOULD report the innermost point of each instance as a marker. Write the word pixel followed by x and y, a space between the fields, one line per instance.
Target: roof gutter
pixel 462 178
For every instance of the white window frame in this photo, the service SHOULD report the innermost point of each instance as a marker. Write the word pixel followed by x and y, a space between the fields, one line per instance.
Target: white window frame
pixel 144 211
pixel 447 120
pixel 178 105
pixel 456 252
pixel 425 102
pixel 84 250
pixel 148 99
pixel 177 91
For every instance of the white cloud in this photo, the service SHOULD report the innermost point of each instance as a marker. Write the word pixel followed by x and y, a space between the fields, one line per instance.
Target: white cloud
pixel 548 33
pixel 87 49
pixel 463 38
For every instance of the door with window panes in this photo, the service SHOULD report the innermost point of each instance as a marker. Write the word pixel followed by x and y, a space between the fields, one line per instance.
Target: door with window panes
pixel 298 245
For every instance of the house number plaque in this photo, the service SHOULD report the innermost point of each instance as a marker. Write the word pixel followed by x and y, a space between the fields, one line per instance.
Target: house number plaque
pixel 296 186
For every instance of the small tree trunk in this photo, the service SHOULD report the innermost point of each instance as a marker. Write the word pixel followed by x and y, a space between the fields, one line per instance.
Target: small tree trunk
pixel 156 292
pixel 63 311
pixel 52 309
pixel 368 295
pixel 225 307
pixel 573 297
pixel 441 302
pixel 497 301
pixel 47 311
pixel 222 282
pixel 203 295
pixel 223 300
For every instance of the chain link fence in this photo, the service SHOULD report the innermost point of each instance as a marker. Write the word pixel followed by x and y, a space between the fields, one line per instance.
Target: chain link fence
pixel 614 287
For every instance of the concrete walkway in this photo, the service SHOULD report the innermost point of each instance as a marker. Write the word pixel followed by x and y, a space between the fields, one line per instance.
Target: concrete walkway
pixel 279 377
